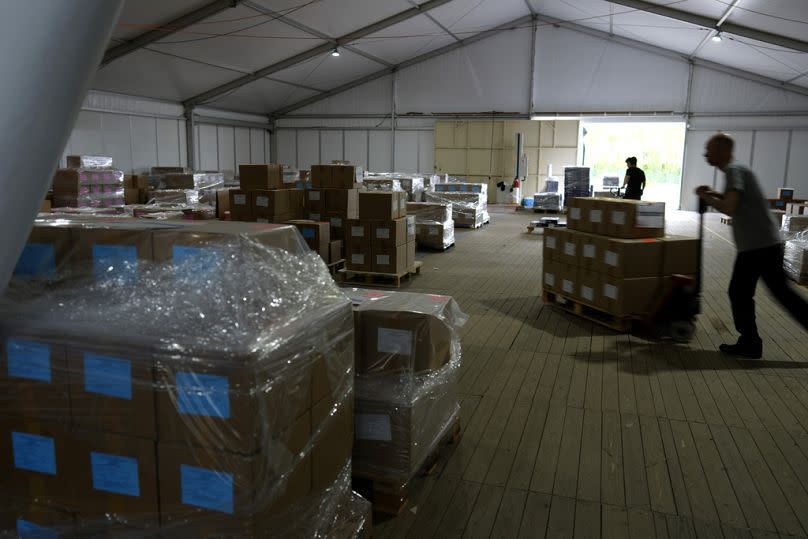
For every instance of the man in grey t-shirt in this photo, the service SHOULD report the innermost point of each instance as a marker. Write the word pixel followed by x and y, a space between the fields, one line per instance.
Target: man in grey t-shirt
pixel 760 248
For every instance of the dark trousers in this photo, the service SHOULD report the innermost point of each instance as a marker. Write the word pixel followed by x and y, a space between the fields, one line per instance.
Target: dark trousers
pixel 632 196
pixel 766 263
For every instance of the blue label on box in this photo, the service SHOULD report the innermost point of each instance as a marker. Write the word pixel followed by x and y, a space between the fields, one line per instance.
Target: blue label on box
pixel 108 376
pixel 33 452
pixel 28 359
pixel 29 530
pixel 203 394
pixel 114 473
pixel 115 262
pixel 195 260
pixel 37 260
pixel 476 188
pixel 452 188
pixel 309 233
pixel 205 488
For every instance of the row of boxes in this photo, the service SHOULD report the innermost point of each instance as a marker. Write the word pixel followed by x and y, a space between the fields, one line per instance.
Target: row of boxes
pixel 276 206
pixel 380 246
pixel 317 235
pixel 333 176
pixel 321 204
pixel 617 218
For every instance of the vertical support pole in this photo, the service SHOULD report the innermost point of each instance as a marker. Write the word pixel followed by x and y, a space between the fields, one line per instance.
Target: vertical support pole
pixel 530 103
pixel 190 137
pixel 393 123
pixel 273 140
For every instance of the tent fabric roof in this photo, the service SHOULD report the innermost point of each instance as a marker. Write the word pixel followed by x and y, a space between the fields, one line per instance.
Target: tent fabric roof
pixel 244 36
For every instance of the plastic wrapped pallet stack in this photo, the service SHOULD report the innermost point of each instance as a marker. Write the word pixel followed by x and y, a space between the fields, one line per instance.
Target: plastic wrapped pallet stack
pixel 469 202
pixel 148 392
pixel 614 255
pixel 413 185
pixel 88 182
pixel 434 227
pixel 795 234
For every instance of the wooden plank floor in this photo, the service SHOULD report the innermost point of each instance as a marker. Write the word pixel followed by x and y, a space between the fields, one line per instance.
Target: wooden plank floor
pixel 570 430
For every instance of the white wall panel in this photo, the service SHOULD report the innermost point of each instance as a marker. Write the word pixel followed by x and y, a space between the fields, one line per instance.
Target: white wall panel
pixel 696 171
pixel 356 148
pixel 769 160
pixel 227 150
pixel 117 140
pixel 258 154
pixel 242 147
pixel 330 146
pixel 308 148
pixel 718 92
pixel 208 148
pixel 379 153
pixel 406 156
pixel 426 151
pixel 287 149
pixel 373 97
pixel 168 142
pixel 144 143
pixel 798 163
pixel 86 137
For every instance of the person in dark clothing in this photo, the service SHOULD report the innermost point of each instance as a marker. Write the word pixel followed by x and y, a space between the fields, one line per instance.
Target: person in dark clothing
pixel 760 248
pixel 634 182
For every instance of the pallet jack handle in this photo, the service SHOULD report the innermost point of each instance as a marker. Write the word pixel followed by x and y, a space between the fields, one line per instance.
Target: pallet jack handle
pixel 702 210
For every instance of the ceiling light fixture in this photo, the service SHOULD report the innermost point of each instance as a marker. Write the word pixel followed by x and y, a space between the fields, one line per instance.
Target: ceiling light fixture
pixel 717 37
pixel 335 52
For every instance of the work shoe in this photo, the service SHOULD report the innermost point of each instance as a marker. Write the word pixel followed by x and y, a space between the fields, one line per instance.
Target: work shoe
pixel 745 349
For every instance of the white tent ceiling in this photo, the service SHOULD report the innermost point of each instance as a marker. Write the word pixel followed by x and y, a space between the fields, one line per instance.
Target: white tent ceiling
pixel 183 61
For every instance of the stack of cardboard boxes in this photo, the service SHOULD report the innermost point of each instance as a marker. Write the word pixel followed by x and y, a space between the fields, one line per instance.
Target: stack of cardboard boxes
pixel 264 197
pixel 785 197
pixel 434 227
pixel 89 181
pixel 143 417
pixel 333 198
pixel 469 202
pixel 614 255
pixel 407 362
pixel 382 239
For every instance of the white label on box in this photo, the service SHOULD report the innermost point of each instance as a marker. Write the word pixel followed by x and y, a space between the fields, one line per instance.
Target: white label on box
pixel 314 195
pixel 357 259
pixel 314 216
pixel 240 200
pixel 411 225
pixel 549 279
pixel 395 341
pixel 610 291
pixel 262 201
pixel 383 260
pixel 568 286
pixel 611 258
pixel 382 233
pixel 336 222
pixel 587 293
pixel 589 251
pixel 358 231
pixel 433 231
pixel 374 427
pixel 595 216
pixel 402 203
pixel 575 213
pixel 569 248
pixel 618 217
pixel 550 242
pixel 651 216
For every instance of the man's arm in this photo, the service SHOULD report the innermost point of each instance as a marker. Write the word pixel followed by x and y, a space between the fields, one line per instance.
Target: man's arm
pixel 726 203
pixel 625 181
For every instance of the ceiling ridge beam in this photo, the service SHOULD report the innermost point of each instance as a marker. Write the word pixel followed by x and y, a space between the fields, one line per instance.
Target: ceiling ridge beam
pixel 314 52
pixel 511 25
pixel 131 45
pixel 707 22
pixel 312 32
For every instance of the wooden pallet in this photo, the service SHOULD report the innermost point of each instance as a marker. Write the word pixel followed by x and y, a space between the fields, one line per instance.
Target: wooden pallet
pixel 334 267
pixel 726 220
pixel 388 495
pixel 622 324
pixel 370 278
pixel 473 226
pixel 549 212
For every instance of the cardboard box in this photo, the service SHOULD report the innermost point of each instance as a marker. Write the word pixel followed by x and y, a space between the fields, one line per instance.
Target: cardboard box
pixel 590 290
pixel 624 258
pixel 389 259
pixel 167 170
pixel 358 231
pixel 794 208
pixel 111 250
pixel 115 476
pixel 785 193
pixel 45 255
pixel 317 235
pixel 342 202
pixel 387 234
pixel 241 205
pixel 381 206
pixel 622 297
pixel 297 202
pixel 343 176
pixel 263 177
pixel 268 204
pixel 178 181
pixel 680 255
pixel 551 244
pixel 131 196
pixel 429 212
pixel 222 203
pixel 34 378
pixel 335 251
pixel 321 176
pixel 592 216
pixel 633 218
pixel 575 213
pixel 551 275
pixel 34 520
pixel 569 285
pixel 316 216
pixel 358 256
pixel 568 252
pixel 589 250
pixel 46 206
pixel 333 440
pixel 315 201
pixel 411 255
pixel 112 391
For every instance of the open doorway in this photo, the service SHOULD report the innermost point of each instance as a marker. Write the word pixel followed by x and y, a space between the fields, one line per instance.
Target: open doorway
pixel 658 147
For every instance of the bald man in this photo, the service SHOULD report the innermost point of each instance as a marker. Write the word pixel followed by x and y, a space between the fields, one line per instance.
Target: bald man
pixel 760 248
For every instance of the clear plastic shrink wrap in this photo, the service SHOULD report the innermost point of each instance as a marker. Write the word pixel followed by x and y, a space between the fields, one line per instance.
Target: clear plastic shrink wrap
pixel 407 364
pixel 414 185
pixel 469 201
pixel 795 262
pixel 190 379
pixel 434 227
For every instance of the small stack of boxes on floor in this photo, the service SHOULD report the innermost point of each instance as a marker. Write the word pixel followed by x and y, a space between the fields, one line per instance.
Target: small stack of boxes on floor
pixel 434 227
pixel 469 202
pixel 614 255
pixel 148 392
pixel 407 351
pixel 795 233
pixel 382 239
pixel 264 197
pixel 88 181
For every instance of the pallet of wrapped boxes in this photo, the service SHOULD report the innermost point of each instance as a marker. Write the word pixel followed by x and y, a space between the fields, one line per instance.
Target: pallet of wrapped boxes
pixel 88 182
pixel 614 260
pixel 414 186
pixel 469 202
pixel 434 227
pixel 407 366
pixel 795 234
pixel 150 393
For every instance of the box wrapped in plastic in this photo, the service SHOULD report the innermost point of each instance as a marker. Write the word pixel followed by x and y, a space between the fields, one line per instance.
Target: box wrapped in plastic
pixel 149 391
pixel 795 261
pixel 88 161
pixel 413 185
pixel 469 209
pixel 551 185
pixel 795 223
pixel 430 212
pixel 376 183
pixel 88 187
pixel 547 201
pixel 576 182
pixel 354 519
pixel 195 180
pixel 407 363
pixel 463 187
pixel 434 227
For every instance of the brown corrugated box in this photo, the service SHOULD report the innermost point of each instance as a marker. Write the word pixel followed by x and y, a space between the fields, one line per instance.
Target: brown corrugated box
pixel 45 255
pixel 633 218
pixel 680 255
pixel 131 196
pixel 167 170
pixel 321 176
pixel 342 202
pixel 315 201
pixel 178 181
pixel 411 255
pixel 589 251
pixel 338 224
pixel 358 256
pixel 268 204
pixel 333 440
pixel 551 275
pixel 222 203
pixel 625 258
pixel 568 247
pixel 265 177
pixel 335 251
pixel 112 391
pixel 389 259
pixel 590 289
pixel 360 232
pixel 623 297
pixel 382 205
pixel 551 244
pixel 22 516
pixel 317 235
pixel 34 377
pixel 241 205
pixel 111 249
pixel 594 216
pixel 575 213
pixel 569 285
pixel 388 234
pixel 343 176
